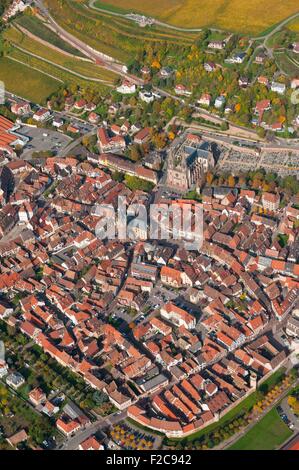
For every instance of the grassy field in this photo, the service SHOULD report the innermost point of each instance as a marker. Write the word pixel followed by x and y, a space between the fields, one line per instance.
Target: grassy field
pixel 252 17
pixel 268 434
pixel 284 61
pixel 87 69
pixel 38 28
pixel 25 82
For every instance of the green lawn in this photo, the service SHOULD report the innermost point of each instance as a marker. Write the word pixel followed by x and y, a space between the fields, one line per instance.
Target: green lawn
pixel 273 380
pixel 268 434
pixel 26 82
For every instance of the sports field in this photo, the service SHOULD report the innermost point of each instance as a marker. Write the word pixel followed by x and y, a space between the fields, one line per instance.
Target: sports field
pixel 268 434
pixel 26 82
pixel 252 16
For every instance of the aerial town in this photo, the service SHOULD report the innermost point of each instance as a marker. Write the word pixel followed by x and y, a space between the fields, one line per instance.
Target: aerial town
pixel 139 342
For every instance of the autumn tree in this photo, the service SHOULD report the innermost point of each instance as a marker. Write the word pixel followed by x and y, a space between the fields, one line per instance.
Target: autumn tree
pixel 231 181
pixel 135 153
pixel 209 178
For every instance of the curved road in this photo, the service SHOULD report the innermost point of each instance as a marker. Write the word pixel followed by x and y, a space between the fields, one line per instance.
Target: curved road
pixel 268 36
pixel 278 27
pixel 265 37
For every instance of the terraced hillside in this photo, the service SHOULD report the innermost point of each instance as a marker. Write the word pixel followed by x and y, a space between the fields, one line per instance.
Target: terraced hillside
pixel 39 29
pixel 75 66
pixel 115 36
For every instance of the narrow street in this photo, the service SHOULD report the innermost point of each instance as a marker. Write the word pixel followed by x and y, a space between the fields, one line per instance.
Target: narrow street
pixel 73 442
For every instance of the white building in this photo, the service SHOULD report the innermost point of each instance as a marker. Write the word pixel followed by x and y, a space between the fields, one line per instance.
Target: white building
pixel 42 115
pixel 219 102
pixel 216 45
pixel 178 316
pixel 237 58
pixel 126 88
pixel 205 99
pixel 182 90
pixel 3 369
pixel 58 122
pixel 146 96
pixel 279 88
pixel 17 6
pixel 15 380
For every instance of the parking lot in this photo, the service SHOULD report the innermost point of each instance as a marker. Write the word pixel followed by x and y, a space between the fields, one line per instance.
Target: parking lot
pixel 159 297
pixel 43 140
pixel 287 415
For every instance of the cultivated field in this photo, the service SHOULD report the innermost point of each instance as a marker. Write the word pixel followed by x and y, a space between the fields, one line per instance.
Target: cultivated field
pixel 25 82
pixel 55 71
pixel 252 16
pixel 294 25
